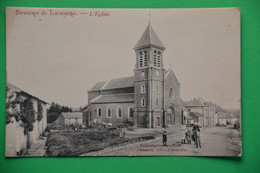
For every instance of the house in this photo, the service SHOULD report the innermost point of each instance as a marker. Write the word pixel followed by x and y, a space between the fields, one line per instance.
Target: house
pixel 222 119
pixel 221 115
pixel 72 118
pixel 150 98
pixel 205 108
pixel 196 118
pixel 26 120
pixel 185 114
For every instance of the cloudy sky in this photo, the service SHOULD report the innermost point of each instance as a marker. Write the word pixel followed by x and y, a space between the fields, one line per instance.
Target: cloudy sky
pixel 59 58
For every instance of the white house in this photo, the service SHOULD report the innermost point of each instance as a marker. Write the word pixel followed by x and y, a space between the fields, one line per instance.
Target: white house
pixel 222 119
pixel 72 118
pixel 20 136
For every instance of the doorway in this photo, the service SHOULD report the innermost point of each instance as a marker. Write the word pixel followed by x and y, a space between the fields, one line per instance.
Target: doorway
pixel 157 123
pixel 170 117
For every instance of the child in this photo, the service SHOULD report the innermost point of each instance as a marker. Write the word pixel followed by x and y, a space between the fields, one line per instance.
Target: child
pixel 183 134
pixel 189 134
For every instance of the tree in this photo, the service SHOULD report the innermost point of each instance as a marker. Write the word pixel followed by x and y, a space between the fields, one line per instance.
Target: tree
pixel 27 115
pixel 55 110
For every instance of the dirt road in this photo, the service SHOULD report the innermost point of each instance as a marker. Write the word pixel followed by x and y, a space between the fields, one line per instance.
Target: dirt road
pixel 216 141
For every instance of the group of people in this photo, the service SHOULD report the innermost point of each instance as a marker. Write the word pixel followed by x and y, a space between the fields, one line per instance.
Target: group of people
pixel 189 133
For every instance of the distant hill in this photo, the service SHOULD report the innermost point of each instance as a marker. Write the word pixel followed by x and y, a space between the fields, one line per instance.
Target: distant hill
pixel 234 112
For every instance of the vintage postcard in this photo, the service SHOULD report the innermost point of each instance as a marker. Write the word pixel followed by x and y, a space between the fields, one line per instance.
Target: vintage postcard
pixel 123 82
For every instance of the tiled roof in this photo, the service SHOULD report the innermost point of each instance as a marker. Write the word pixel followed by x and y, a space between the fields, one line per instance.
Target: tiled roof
pixel 200 99
pixel 72 115
pixel 98 85
pixel 195 114
pixel 13 87
pixel 219 109
pixel 193 103
pixel 20 91
pixel 198 102
pixel 118 98
pixel 198 114
pixel 149 37
pixel 123 82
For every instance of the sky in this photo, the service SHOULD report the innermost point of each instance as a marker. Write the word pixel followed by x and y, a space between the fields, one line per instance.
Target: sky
pixel 60 57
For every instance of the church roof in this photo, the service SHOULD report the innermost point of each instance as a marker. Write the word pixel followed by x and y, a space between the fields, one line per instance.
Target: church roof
pixel 170 71
pixel 118 98
pixel 98 85
pixel 123 82
pixel 148 38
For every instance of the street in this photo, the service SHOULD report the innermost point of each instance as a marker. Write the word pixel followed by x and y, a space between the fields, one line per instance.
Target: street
pixel 215 141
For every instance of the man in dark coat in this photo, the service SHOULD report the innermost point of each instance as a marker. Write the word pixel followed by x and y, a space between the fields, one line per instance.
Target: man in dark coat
pixel 196 135
pixel 164 137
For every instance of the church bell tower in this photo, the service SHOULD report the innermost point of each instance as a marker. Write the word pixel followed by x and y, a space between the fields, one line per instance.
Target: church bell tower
pixel 149 76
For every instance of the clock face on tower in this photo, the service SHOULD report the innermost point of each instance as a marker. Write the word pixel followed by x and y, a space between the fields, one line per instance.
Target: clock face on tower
pixel 157 73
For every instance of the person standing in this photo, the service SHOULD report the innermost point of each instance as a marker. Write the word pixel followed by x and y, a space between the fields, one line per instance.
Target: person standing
pixel 189 133
pixel 164 138
pixel 183 133
pixel 196 134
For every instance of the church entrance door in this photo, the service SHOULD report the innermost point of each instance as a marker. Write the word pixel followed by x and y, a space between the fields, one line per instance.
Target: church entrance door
pixel 157 123
pixel 170 118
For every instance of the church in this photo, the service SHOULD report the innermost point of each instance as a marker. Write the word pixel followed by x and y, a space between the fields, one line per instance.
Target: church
pixel 149 99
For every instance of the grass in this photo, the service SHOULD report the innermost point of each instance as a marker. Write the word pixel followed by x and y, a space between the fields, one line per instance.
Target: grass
pixel 71 143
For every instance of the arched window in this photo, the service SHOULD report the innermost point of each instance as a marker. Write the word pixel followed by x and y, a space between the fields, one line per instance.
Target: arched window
pixel 119 112
pixel 145 59
pixel 99 113
pixel 159 61
pixel 141 59
pixel 142 89
pixel 109 112
pixel 154 58
pixel 171 93
pixel 142 103
pixel 130 112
